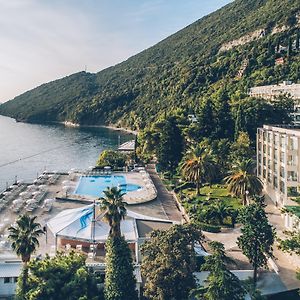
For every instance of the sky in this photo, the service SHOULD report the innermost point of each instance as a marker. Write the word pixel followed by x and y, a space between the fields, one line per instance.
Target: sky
pixel 42 40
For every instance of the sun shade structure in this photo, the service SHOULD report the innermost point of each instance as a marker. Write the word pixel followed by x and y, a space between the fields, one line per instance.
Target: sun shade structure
pixel 79 224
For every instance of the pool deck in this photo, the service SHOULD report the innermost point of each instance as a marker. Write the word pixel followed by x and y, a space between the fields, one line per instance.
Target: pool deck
pixel 161 207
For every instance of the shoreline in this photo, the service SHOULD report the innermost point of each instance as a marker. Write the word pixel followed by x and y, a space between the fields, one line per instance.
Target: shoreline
pixel 76 125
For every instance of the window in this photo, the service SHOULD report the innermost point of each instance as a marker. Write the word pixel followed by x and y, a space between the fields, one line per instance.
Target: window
pixel 264 173
pixel 282 186
pixel 259 170
pixel 292 176
pixel 15 279
pixel 281 156
pixel 6 279
pixel 275 182
pixel 282 173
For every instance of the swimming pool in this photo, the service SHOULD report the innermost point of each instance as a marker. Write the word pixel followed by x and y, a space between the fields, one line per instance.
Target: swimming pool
pixel 95 185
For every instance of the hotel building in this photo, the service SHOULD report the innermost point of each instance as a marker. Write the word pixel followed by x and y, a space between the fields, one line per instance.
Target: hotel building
pixel 278 165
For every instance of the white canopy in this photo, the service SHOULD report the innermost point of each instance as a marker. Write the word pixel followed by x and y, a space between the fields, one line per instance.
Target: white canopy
pixel 77 224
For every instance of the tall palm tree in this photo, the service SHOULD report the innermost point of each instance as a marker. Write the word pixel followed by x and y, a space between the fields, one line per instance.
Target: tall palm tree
pixel 243 180
pixel 115 209
pixel 24 237
pixel 198 165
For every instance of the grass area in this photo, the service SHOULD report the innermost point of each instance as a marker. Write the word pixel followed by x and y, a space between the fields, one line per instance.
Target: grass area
pixel 294 210
pixel 217 191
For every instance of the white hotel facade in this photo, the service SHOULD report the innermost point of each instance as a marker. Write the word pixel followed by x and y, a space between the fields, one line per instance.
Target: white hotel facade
pixel 278 164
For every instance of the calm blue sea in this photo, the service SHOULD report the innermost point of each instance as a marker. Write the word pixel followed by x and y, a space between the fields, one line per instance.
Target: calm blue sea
pixel 28 149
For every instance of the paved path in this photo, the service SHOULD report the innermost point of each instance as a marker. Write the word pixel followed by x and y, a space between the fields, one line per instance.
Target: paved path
pixel 286 263
pixel 164 206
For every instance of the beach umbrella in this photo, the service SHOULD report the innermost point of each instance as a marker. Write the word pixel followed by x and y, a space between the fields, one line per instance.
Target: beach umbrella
pixel 36 193
pixel 6 193
pixel 42 186
pixel 30 201
pixel 65 182
pixel 17 201
pixel 107 168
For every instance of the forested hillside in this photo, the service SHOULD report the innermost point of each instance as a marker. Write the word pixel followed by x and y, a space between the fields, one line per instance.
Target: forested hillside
pixel 182 71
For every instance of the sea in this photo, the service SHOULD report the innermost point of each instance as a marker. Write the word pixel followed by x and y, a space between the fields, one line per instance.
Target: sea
pixel 26 150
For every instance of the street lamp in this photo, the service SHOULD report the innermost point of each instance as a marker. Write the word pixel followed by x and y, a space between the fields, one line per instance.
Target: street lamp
pixel 247 193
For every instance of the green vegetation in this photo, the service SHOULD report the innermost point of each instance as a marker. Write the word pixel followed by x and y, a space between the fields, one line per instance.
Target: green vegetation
pixel 242 180
pixel 114 208
pixel 185 71
pixel 24 237
pixel 258 235
pixel 221 283
pixel 169 262
pixel 215 207
pixel 64 276
pixel 198 165
pixel 114 159
pixel 119 278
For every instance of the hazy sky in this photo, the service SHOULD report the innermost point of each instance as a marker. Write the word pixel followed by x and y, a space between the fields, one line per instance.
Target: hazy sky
pixel 42 40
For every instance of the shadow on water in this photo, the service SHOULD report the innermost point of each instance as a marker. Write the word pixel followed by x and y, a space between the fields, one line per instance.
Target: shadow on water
pixel 291 295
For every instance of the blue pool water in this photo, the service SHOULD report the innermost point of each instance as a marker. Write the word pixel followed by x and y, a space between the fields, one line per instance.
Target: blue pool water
pixel 95 185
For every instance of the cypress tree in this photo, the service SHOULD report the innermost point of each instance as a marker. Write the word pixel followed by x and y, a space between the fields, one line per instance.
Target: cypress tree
pixel 238 123
pixel 119 279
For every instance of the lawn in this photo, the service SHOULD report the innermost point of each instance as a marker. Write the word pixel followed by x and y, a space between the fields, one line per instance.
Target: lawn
pixel 213 192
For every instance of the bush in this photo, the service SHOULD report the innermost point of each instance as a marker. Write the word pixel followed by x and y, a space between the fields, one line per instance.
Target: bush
pixel 209 227
pixel 111 158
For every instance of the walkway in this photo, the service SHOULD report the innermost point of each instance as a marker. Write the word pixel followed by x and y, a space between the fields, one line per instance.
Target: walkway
pixel 164 206
pixel 286 263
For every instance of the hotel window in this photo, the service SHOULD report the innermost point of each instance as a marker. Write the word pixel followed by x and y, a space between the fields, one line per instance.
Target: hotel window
pixel 259 146
pixel 275 155
pixel 6 279
pixel 276 141
pixel 282 173
pixel 282 186
pixel 264 173
pixel 282 141
pixel 269 137
pixel 264 148
pixel 292 176
pixel 269 163
pixel 259 170
pixel 269 150
pixel 275 182
pixel 269 177
pixel 264 136
pixel 281 156
pixel 264 160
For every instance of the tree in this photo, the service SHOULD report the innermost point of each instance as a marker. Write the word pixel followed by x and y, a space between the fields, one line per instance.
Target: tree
pixel 241 148
pixel 64 276
pixel 169 262
pixel 242 180
pixel 291 244
pixel 114 208
pixel 221 284
pixel 170 147
pixel 257 236
pixel 238 122
pixel 24 237
pixel 111 158
pixel 206 119
pixel 120 283
pixel 220 210
pixel 198 165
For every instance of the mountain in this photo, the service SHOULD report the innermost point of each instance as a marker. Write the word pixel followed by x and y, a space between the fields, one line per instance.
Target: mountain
pixel 232 49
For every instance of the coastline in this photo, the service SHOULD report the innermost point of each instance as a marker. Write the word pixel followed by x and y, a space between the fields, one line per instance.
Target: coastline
pixel 112 127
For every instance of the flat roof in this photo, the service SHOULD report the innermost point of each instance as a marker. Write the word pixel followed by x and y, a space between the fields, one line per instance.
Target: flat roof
pixel 145 227
pixel 10 269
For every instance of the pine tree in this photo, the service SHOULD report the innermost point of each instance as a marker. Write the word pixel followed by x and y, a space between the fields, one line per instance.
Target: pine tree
pixel 120 283
pixel 298 40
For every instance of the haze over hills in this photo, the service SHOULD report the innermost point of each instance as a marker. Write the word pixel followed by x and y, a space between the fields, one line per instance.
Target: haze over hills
pixel 228 50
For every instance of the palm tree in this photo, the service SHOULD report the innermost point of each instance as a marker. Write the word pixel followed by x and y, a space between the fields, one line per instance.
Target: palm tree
pixel 115 209
pixel 24 236
pixel 198 165
pixel 243 180
pixel 220 210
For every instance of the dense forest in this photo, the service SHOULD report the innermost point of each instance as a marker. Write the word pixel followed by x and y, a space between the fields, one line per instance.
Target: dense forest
pixel 189 70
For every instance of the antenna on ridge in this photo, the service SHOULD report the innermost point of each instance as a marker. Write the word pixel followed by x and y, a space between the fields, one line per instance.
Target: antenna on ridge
pixel 85 68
